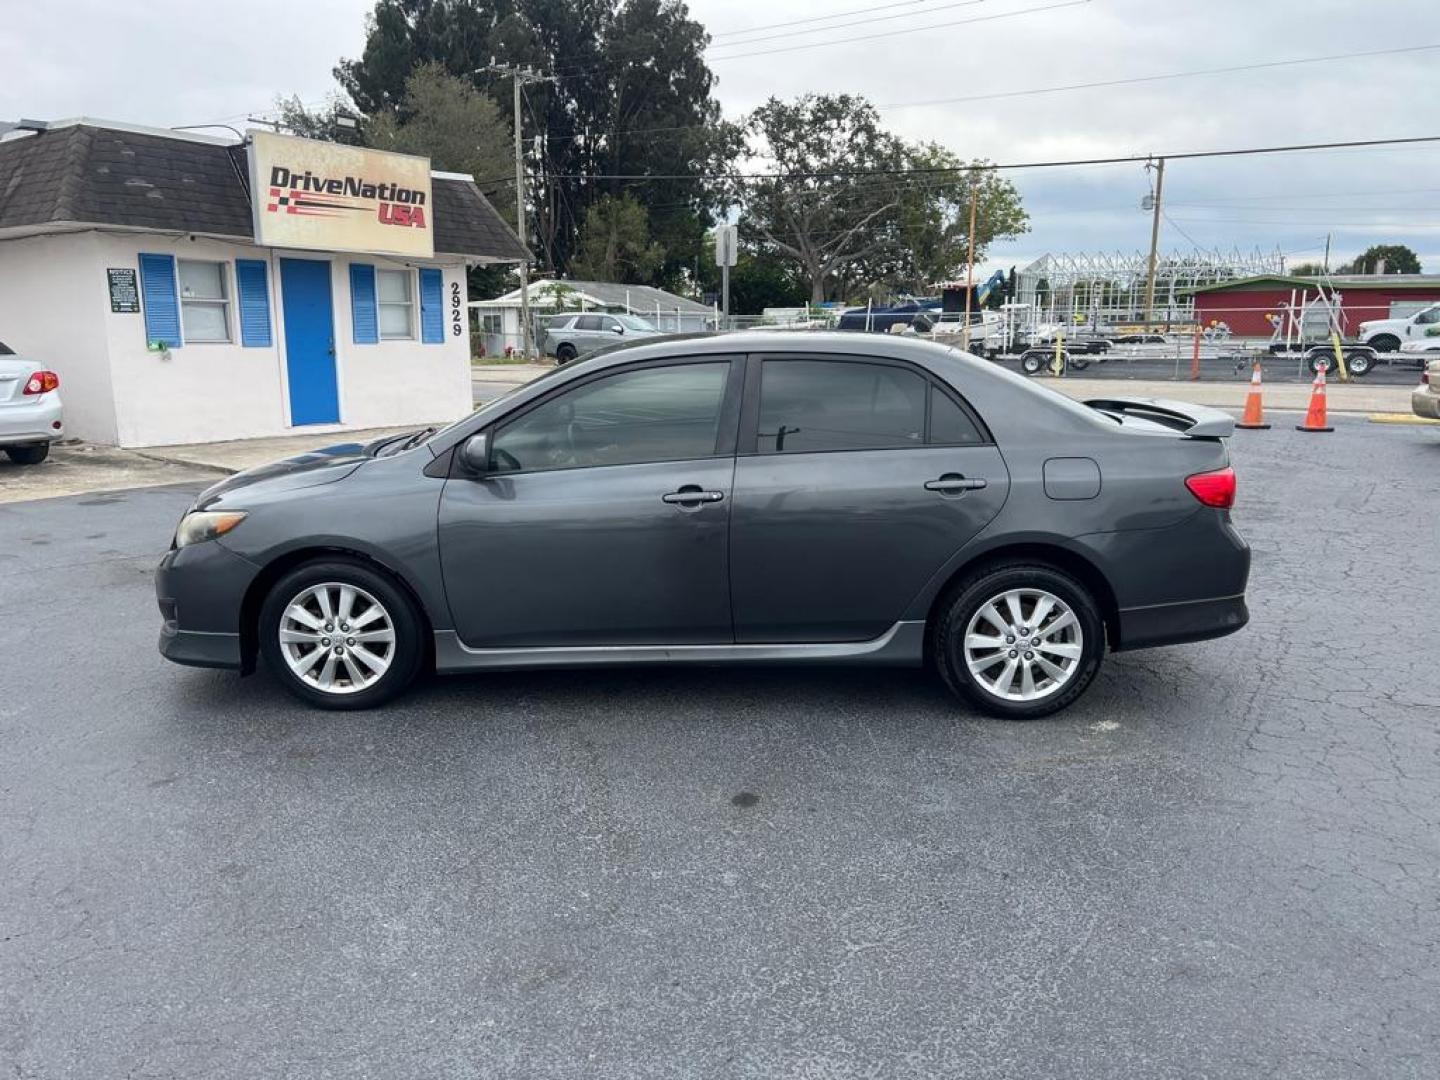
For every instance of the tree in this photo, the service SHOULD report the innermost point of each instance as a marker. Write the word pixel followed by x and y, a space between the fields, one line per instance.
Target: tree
pixel 631 94
pixel 615 243
pixel 1398 259
pixel 1311 269
pixel 854 204
pixel 447 120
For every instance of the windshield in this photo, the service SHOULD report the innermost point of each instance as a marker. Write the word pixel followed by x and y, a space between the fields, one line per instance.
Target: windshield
pixel 630 322
pixel 544 376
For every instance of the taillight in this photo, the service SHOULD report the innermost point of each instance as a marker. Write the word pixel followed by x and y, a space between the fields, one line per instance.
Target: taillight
pixel 1215 489
pixel 42 382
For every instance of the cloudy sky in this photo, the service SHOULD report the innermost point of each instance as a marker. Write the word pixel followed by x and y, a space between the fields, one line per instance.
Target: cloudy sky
pixel 171 62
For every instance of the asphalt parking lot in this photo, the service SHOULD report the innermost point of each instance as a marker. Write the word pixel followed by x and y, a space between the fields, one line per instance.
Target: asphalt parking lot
pixel 1224 862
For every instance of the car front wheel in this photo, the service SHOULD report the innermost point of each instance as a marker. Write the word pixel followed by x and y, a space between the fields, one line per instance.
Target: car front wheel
pixel 565 353
pixel 340 635
pixel 1019 641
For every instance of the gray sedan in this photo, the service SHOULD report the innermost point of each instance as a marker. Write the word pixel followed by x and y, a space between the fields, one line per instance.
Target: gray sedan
pixel 747 498
pixel 569 336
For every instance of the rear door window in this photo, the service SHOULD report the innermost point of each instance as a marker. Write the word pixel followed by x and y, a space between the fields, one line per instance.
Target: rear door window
pixel 816 405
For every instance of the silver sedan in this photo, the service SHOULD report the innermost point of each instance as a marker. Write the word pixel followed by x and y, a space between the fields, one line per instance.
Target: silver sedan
pixel 31 415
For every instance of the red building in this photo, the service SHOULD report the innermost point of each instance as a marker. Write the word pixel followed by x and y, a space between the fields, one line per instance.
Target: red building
pixel 1244 304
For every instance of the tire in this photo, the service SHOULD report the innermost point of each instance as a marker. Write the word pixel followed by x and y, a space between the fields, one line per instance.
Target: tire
pixel 33 454
pixel 1359 363
pixel 401 657
pixel 1078 362
pixel 1031 364
pixel 963 615
pixel 565 353
pixel 1384 343
pixel 1322 361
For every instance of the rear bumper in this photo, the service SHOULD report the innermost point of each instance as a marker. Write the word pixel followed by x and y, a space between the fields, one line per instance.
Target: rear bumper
pixel 201 590
pixel 1174 624
pixel 1424 403
pixel 32 421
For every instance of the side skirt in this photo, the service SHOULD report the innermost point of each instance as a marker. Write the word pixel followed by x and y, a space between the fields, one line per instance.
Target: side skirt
pixel 902 645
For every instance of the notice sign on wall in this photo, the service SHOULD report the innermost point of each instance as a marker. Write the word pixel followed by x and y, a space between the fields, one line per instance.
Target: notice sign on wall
pixel 124 296
pixel 330 197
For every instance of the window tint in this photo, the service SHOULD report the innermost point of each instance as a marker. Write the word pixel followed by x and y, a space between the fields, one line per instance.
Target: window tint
pixel 808 405
pixel 654 414
pixel 951 425
pixel 588 322
pixel 1430 316
pixel 609 324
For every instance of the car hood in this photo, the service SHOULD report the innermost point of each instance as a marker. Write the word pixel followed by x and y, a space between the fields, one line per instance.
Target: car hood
pixel 323 466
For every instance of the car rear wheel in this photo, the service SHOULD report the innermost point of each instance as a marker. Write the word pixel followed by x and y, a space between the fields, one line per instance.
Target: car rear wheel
pixel 1019 641
pixel 565 353
pixel 28 455
pixel 339 635
pixel 1384 343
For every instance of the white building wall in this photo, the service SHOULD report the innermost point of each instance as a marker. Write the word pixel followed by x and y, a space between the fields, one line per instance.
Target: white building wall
pixel 206 392
pixel 52 309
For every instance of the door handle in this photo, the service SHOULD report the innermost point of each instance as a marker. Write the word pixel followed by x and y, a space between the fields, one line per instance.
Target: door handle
pixel 692 495
pixel 955 484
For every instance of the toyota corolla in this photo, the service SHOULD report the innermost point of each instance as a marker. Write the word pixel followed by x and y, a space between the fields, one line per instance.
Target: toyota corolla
pixel 750 498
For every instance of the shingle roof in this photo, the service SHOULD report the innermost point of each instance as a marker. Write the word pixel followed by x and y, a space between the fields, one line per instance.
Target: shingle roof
pixel 92 175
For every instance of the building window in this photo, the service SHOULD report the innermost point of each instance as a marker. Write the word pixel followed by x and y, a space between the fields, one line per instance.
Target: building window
pixel 204 301
pixel 397 304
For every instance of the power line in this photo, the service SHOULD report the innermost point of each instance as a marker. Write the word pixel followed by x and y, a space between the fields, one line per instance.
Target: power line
pixel 997 167
pixel 908 30
pixel 1039 90
pixel 845 25
pixel 1159 78
pixel 817 18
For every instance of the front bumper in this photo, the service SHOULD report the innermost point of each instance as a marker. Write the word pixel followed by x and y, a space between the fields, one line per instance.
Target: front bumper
pixel 201 592
pixel 37 420
pixel 1423 402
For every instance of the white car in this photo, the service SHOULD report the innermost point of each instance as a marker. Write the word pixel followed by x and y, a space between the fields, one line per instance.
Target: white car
pixel 1425 398
pixel 1391 335
pixel 1422 345
pixel 570 336
pixel 31 416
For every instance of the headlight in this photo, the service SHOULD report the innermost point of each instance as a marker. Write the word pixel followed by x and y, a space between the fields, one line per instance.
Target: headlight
pixel 201 525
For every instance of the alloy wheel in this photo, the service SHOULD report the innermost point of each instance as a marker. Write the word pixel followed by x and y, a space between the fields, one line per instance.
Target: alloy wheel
pixel 337 638
pixel 1024 645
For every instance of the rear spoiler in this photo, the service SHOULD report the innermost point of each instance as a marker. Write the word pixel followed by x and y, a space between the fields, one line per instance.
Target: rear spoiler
pixel 1196 421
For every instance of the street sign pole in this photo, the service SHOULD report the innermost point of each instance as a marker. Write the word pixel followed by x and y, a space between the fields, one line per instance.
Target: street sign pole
pixel 727 243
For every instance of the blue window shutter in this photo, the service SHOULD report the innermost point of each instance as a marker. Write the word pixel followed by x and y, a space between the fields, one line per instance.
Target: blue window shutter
pixel 363 312
pixel 432 307
pixel 162 302
pixel 251 284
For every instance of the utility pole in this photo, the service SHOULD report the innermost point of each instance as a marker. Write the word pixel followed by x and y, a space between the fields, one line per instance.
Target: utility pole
pixel 970 264
pixel 1154 243
pixel 520 76
pixel 1327 254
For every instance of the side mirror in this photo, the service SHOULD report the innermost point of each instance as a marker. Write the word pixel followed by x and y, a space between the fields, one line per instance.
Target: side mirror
pixel 619 330
pixel 475 454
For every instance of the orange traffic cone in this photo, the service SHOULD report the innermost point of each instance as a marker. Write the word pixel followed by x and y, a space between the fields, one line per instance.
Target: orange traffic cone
pixel 1254 417
pixel 1315 416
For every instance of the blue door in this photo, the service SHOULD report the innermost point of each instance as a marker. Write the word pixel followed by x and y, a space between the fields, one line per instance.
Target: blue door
pixel 309 341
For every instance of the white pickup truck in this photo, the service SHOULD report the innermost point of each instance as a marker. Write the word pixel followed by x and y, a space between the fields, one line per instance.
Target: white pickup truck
pixel 1387 335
